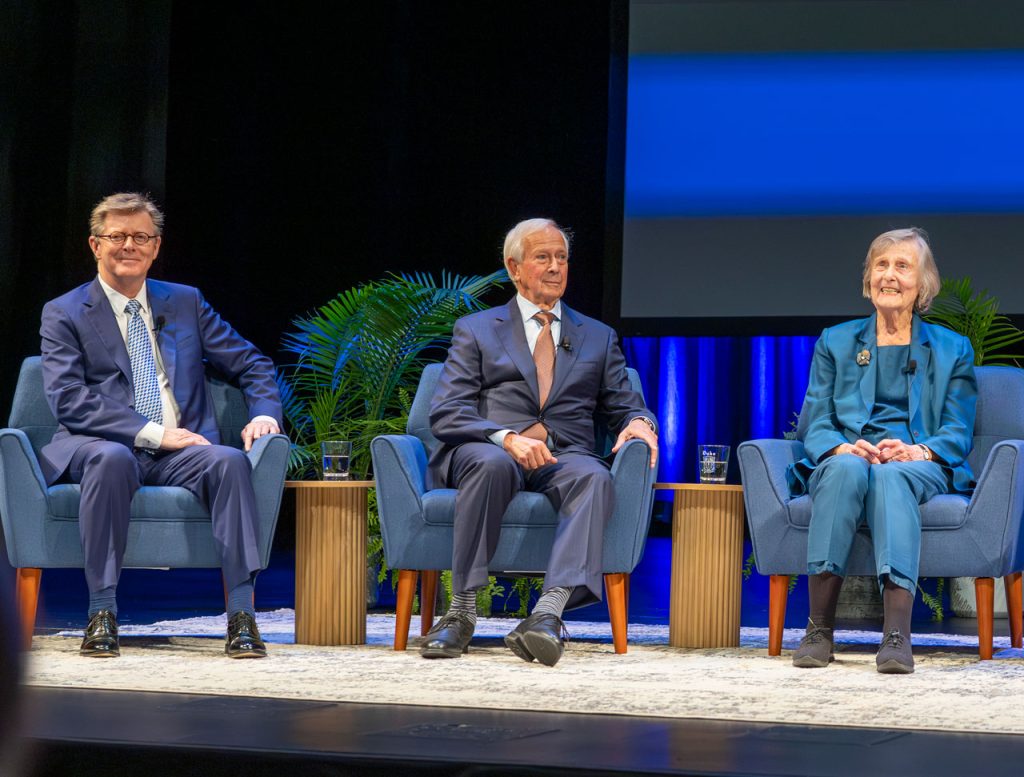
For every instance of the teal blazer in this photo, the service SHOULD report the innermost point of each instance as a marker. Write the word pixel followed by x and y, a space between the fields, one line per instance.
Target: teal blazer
pixel 943 393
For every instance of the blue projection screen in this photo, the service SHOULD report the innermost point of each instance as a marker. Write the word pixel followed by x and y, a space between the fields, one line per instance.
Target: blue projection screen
pixel 755 181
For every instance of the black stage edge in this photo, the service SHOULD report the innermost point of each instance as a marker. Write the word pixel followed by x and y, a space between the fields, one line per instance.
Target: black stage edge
pixel 90 733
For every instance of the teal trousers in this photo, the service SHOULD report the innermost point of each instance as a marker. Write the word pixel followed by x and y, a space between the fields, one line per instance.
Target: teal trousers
pixel 847 492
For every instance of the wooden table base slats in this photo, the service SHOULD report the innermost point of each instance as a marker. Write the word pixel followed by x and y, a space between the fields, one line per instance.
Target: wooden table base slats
pixel 707 560
pixel 330 562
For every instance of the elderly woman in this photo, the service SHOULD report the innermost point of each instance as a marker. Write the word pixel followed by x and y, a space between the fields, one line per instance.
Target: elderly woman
pixel 888 420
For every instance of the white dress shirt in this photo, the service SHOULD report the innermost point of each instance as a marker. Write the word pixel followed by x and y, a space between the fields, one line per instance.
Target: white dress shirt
pixel 151 435
pixel 532 328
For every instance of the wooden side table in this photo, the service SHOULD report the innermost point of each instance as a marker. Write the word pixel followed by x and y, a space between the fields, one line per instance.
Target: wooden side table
pixel 330 561
pixel 707 561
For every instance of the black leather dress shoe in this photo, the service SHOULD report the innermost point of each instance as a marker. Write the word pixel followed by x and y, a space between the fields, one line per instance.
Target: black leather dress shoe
pixel 541 636
pixel 449 637
pixel 101 636
pixel 244 640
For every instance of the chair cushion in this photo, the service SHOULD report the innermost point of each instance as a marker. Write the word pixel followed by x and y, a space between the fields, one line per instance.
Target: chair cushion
pixel 151 503
pixel 527 509
pixel 946 511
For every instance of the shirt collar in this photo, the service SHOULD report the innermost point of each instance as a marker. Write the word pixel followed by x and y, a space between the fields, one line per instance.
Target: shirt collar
pixel 118 300
pixel 529 310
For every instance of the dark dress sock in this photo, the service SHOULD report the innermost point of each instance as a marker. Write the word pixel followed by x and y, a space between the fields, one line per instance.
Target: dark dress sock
pixel 240 598
pixel 823 593
pixel 104 599
pixel 899 605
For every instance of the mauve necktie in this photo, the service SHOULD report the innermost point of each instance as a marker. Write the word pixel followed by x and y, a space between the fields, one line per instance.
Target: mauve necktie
pixel 140 353
pixel 544 360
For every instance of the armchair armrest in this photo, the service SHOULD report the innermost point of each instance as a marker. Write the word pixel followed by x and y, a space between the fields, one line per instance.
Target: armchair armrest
pixel 633 482
pixel 23 505
pixel 766 497
pixel 997 505
pixel 269 459
pixel 400 469
pixel 763 466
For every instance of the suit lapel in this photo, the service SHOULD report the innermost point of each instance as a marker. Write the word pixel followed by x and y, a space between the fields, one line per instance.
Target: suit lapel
pixel 165 324
pixel 573 335
pixel 513 337
pixel 921 355
pixel 100 316
pixel 867 341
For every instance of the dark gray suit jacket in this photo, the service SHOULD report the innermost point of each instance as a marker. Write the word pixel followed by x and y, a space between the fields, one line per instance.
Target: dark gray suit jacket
pixel 489 383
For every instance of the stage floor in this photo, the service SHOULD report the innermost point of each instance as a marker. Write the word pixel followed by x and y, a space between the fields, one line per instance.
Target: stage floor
pixel 88 732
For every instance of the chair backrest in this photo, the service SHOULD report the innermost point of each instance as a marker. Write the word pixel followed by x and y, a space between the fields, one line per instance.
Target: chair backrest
pixel 1000 413
pixel 31 413
pixel 419 414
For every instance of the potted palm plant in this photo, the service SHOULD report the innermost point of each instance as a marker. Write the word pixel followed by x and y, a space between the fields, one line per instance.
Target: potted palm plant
pixel 994 337
pixel 356 362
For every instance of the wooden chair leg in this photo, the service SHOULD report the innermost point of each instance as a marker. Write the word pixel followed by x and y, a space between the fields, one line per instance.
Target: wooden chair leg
pixel 778 595
pixel 1014 608
pixel 26 590
pixel 984 594
pixel 428 597
pixel 627 601
pixel 403 605
pixel 616 585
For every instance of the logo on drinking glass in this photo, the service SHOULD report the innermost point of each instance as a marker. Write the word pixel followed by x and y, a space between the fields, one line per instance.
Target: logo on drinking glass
pixel 712 463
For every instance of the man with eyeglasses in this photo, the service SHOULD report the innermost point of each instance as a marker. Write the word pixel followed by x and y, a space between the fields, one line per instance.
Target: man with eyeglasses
pixel 123 368
pixel 515 411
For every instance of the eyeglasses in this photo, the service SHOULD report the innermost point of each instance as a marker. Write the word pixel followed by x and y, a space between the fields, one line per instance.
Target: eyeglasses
pixel 139 238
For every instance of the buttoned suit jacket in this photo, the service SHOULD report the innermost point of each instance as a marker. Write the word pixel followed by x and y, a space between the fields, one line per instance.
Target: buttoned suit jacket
pixel 942 391
pixel 489 383
pixel 87 374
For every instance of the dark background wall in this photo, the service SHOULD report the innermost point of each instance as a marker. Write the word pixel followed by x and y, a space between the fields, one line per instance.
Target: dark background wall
pixel 298 154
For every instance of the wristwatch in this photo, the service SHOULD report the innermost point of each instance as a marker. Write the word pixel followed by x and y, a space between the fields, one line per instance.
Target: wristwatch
pixel 647 421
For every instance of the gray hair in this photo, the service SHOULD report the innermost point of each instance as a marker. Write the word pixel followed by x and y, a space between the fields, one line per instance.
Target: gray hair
pixel 125 202
pixel 928 272
pixel 514 239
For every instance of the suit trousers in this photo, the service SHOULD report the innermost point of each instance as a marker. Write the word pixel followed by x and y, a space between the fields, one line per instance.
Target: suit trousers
pixel 846 492
pixel 218 475
pixel 579 487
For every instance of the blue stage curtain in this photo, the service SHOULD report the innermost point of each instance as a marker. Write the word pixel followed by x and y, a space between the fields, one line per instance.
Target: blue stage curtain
pixel 720 390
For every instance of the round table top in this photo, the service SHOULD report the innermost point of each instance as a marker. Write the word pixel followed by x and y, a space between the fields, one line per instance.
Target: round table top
pixel 329 483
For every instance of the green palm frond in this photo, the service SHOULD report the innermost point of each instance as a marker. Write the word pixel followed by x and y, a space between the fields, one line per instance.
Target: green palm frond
pixel 977 317
pixel 358 357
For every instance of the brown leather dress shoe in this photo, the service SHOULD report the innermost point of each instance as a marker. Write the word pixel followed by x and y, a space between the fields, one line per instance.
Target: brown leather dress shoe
pixel 101 636
pixel 541 636
pixel 244 640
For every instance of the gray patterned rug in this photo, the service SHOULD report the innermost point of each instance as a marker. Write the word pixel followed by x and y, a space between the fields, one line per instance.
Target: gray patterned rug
pixel 951 690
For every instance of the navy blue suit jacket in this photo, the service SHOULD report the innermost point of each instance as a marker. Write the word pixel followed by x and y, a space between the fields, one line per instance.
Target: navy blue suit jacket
pixel 942 391
pixel 489 383
pixel 88 377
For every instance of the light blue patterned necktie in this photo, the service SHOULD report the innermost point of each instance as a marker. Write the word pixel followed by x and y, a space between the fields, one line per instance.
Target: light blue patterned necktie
pixel 140 353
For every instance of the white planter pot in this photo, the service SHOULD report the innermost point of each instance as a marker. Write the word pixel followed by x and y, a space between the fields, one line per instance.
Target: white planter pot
pixel 965 603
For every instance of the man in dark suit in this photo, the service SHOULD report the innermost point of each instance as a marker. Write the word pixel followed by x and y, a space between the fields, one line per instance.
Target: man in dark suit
pixel 515 411
pixel 123 366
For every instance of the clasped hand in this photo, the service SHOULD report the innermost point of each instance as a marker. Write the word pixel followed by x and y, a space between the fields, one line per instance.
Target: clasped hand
pixel 886 451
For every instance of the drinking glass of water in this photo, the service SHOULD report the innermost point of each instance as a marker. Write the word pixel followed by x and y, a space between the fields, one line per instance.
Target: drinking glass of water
pixel 336 457
pixel 712 463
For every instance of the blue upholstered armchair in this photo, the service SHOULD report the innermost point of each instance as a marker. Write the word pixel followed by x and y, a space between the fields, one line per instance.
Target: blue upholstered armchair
pixel 169 526
pixel 976 537
pixel 416 524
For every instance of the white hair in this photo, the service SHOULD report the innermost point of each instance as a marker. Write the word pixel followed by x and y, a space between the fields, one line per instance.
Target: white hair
pixel 514 239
